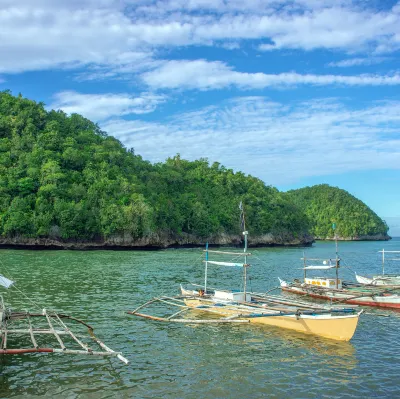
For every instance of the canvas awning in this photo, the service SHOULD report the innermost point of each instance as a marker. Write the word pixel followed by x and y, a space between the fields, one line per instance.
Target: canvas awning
pixel 5 282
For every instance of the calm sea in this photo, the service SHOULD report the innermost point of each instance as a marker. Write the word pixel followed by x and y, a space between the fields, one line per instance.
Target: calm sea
pixel 202 361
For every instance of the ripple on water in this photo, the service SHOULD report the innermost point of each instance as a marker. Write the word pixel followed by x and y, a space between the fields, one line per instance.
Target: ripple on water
pixel 174 361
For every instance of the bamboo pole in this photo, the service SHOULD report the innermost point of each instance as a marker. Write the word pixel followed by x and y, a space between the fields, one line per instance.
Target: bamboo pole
pixel 51 350
pixel 84 346
pixel 180 312
pixel 142 306
pixel 228 253
pixel 190 321
pixel 4 341
pixel 54 331
pixel 206 269
pixel 107 349
pixel 81 352
pixel 176 298
pixel 170 303
pixel 35 345
pixel 300 304
pixel 36 331
pixel 23 315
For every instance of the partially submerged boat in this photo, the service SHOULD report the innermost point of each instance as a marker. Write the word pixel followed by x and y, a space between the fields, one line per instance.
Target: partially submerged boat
pixel 335 290
pixel 23 332
pixel 242 306
pixel 382 279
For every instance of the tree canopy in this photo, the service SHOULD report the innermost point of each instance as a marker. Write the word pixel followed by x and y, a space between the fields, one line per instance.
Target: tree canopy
pixel 325 205
pixel 62 177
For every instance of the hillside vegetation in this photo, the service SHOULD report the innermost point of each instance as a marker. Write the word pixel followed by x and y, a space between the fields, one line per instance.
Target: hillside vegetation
pixel 63 178
pixel 325 205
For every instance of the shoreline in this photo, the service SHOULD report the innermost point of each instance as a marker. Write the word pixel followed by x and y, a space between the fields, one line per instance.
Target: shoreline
pixel 157 244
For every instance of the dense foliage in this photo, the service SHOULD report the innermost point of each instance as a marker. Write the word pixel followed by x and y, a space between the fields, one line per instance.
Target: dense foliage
pixel 62 177
pixel 325 205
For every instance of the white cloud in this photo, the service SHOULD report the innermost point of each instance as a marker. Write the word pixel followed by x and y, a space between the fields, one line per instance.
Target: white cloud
pixel 103 106
pixel 276 142
pixel 42 34
pixel 359 61
pixel 204 75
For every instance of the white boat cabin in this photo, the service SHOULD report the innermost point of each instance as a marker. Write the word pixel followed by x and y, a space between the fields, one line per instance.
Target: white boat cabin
pixel 234 296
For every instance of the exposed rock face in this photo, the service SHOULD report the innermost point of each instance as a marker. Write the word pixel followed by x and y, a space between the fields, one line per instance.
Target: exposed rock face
pixel 376 237
pixel 156 241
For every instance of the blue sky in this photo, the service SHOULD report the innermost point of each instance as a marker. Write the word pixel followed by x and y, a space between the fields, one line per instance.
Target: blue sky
pixel 297 92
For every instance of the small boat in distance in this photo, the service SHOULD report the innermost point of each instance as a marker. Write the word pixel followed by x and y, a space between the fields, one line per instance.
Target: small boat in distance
pixel 382 279
pixel 241 306
pixel 37 332
pixel 334 290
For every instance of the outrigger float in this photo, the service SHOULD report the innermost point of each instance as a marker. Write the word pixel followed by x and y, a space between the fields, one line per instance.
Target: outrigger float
pixel 40 331
pixel 229 306
pixel 336 290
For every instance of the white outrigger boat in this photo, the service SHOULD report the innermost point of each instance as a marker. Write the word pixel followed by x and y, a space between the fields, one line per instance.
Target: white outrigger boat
pixel 382 279
pixel 334 290
pixel 37 332
pixel 229 306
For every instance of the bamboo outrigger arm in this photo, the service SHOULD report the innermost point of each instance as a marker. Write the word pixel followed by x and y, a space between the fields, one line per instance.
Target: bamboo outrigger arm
pixel 242 314
pixel 189 321
pixel 178 302
pixel 61 330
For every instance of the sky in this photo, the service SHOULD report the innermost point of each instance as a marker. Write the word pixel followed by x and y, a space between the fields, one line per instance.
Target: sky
pixel 294 92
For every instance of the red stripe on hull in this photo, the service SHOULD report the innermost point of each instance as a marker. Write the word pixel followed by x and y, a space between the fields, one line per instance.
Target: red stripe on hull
pixel 349 301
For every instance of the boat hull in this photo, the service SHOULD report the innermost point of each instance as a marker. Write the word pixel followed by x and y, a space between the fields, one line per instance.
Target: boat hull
pixel 339 328
pixel 388 301
pixel 379 280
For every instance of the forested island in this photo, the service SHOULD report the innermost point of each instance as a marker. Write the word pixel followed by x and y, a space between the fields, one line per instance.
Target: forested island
pixel 65 183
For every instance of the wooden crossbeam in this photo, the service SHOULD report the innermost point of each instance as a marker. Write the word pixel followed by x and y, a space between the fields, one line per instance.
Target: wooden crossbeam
pixel 54 331
pixel 84 346
pixel 35 345
pixel 228 253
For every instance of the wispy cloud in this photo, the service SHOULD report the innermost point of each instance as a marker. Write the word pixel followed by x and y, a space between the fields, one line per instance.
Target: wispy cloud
pixel 42 34
pixel 280 143
pixel 99 107
pixel 358 61
pixel 204 75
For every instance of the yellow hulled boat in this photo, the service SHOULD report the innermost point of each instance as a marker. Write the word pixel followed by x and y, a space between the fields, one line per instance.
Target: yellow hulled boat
pixel 228 306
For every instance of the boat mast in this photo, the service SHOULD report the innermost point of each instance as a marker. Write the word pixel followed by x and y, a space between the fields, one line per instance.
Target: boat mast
pixel 205 270
pixel 337 257
pixel 245 233
pixel 383 261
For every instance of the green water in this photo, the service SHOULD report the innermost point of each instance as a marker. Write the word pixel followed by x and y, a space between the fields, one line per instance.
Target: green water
pixel 202 361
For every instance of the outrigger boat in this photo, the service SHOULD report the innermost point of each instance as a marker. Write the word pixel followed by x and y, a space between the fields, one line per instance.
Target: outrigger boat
pixel 229 306
pixel 335 290
pixel 40 330
pixel 382 279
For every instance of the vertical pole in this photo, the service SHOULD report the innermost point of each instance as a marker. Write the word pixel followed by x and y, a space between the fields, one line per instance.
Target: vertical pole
pixel 337 272
pixel 337 257
pixel 245 264
pixel 304 263
pixel 205 271
pixel 383 261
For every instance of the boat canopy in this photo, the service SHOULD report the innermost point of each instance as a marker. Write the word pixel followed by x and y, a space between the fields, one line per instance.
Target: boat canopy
pixel 5 282
pixel 319 267
pixel 213 262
